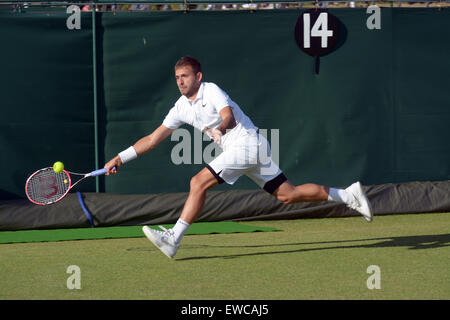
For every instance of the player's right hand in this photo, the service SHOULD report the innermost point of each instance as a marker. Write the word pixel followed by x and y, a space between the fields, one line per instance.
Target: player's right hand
pixel 113 165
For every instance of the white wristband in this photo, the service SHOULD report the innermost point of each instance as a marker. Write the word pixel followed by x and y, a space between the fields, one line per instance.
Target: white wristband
pixel 128 155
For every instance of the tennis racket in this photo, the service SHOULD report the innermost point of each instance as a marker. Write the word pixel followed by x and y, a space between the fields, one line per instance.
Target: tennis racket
pixel 46 186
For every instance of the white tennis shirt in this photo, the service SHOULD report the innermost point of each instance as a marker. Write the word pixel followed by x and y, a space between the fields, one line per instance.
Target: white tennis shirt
pixel 204 111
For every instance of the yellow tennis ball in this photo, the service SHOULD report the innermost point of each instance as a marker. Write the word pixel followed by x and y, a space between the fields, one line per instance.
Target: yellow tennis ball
pixel 65 181
pixel 58 166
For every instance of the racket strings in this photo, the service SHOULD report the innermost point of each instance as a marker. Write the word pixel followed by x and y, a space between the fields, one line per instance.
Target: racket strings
pixel 47 186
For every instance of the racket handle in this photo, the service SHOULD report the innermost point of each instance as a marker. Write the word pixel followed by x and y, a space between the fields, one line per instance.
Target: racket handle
pixel 99 172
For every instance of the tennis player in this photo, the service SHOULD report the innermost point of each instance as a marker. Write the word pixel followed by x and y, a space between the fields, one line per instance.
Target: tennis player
pixel 209 109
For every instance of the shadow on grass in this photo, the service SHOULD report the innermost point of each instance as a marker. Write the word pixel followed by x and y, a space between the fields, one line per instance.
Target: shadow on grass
pixel 410 242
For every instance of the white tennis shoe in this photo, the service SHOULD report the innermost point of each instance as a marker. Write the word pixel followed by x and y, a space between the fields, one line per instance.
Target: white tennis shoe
pixel 359 201
pixel 163 240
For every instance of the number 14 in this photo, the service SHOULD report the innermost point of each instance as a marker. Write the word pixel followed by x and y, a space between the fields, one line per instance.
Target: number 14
pixel 319 29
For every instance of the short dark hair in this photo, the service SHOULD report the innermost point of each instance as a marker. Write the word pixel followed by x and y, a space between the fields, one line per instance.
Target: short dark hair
pixel 189 61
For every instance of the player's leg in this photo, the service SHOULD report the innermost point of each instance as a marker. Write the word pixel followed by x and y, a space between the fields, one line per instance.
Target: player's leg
pixel 276 184
pixel 168 241
pixel 268 176
pixel 200 183
pixel 353 196
pixel 288 193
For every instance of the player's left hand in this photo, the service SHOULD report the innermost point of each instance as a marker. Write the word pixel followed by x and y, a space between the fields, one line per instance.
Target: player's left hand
pixel 215 134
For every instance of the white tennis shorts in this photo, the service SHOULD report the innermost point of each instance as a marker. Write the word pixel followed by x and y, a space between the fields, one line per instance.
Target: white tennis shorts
pixel 248 155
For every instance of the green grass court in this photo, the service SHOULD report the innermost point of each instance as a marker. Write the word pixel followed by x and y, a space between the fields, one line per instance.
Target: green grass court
pixel 305 259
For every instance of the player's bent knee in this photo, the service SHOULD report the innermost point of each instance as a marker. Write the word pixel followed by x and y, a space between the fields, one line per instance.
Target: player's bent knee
pixel 286 193
pixel 198 184
pixel 286 199
pixel 195 183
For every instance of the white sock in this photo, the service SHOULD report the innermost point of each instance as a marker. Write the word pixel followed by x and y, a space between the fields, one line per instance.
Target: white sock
pixel 179 229
pixel 339 195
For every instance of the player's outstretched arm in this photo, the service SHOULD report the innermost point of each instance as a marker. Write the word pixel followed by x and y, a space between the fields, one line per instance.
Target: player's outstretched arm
pixel 143 145
pixel 150 142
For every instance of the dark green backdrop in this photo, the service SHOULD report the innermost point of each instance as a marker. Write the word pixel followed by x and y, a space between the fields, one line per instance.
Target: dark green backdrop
pixel 378 111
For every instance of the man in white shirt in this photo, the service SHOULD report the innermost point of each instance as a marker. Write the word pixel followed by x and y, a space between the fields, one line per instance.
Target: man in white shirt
pixel 206 107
